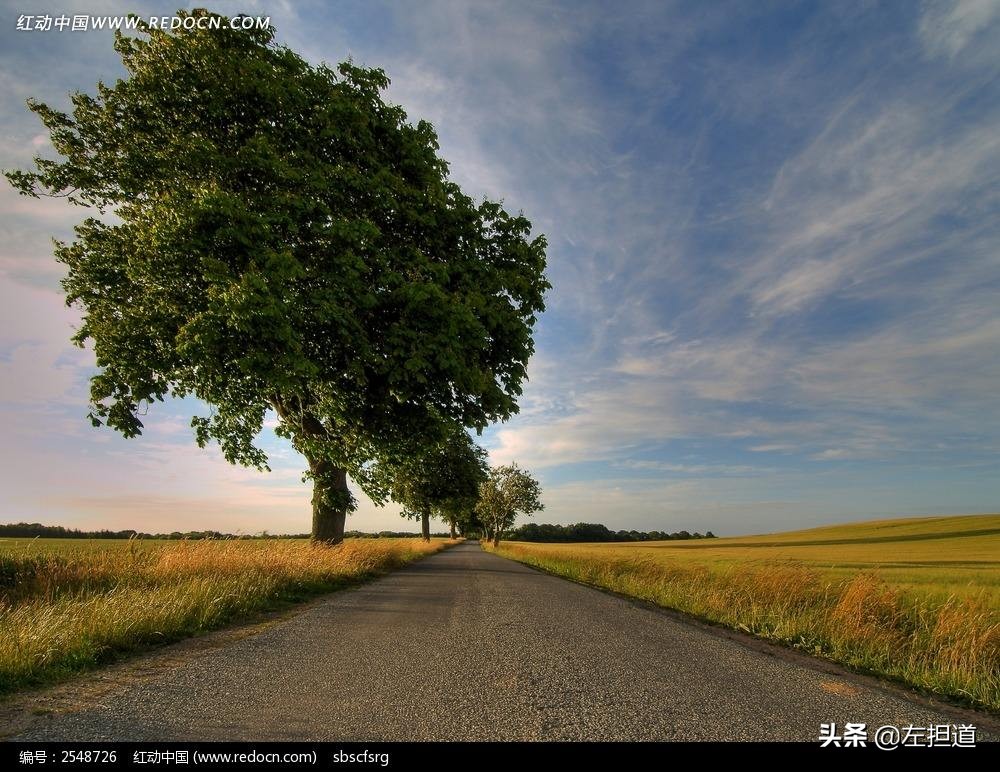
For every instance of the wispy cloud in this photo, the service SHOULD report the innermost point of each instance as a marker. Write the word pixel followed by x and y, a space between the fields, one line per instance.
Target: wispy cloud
pixel 948 26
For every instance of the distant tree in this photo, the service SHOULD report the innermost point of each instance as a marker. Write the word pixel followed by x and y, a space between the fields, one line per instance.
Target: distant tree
pixel 442 480
pixel 468 469
pixel 459 514
pixel 467 522
pixel 507 492
pixel 283 239
pixel 596 532
pixel 33 530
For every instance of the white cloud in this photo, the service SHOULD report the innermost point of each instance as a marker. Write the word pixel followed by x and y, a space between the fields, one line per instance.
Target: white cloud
pixel 948 26
pixel 709 470
pixel 725 507
pixel 911 368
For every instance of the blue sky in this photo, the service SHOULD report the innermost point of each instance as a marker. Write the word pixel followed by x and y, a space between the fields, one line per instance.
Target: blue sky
pixel 774 248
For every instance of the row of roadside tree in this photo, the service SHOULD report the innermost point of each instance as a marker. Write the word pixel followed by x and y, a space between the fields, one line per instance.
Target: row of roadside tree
pixel 286 242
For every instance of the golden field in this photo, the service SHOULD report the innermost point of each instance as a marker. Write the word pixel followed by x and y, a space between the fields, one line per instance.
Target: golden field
pixel 916 600
pixel 67 605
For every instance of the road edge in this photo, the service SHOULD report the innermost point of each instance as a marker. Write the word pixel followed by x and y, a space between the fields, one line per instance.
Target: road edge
pixel 982 719
pixel 20 710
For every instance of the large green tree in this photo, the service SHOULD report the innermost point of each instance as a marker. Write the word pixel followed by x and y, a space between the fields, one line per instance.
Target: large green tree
pixel 284 239
pixel 507 492
pixel 442 480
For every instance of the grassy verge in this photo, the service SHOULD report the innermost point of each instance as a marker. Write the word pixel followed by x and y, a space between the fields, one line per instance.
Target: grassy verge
pixel 945 644
pixel 65 608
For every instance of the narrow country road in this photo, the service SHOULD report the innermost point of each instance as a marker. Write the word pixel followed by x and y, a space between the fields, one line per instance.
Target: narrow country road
pixel 465 645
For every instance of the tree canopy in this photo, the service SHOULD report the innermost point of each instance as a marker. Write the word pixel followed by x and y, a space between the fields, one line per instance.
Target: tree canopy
pixel 284 239
pixel 507 492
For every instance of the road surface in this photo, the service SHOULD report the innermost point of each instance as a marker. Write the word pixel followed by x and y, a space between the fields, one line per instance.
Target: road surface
pixel 465 645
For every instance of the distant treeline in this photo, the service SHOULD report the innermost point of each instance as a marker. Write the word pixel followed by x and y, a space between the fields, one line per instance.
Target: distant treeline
pixel 32 530
pixel 595 532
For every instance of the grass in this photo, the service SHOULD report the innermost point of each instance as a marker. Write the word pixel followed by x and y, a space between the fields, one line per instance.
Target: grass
pixel 914 600
pixel 68 605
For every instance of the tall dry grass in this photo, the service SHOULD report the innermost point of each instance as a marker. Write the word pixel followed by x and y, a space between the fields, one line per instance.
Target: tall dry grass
pixel 951 647
pixel 64 612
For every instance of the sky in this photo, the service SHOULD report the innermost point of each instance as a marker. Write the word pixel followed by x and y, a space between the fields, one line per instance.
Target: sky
pixel 774 245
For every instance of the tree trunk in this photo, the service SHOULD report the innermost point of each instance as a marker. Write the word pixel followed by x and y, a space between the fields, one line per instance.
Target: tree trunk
pixel 425 526
pixel 330 492
pixel 453 534
pixel 496 538
pixel 328 518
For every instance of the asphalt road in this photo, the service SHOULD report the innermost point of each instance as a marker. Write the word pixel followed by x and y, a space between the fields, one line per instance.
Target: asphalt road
pixel 468 646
